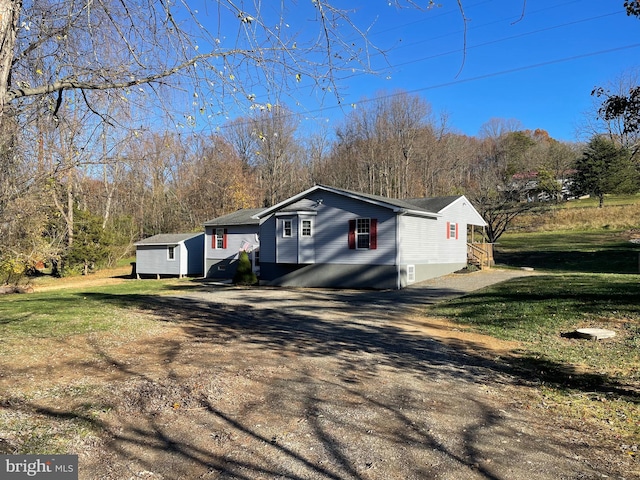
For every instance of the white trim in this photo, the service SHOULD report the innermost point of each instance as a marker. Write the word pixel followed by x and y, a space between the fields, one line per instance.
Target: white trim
pixel 474 216
pixel 301 227
pixel 284 228
pixel 368 234
pixel 298 212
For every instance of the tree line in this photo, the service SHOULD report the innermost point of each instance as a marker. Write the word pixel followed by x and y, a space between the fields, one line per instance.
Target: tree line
pixel 81 178
pixel 84 201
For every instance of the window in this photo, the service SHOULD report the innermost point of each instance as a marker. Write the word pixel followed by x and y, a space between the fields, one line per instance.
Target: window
pixel 171 253
pixel 219 238
pixel 363 234
pixel 286 228
pixel 452 230
pixel 306 228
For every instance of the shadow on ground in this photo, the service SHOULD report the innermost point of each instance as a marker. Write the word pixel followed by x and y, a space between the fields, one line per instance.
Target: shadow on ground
pixel 311 384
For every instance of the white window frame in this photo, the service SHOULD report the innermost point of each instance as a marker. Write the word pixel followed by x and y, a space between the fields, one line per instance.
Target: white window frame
pixel 219 233
pixel 285 228
pixel 453 227
pixel 363 234
pixel 303 229
pixel 171 253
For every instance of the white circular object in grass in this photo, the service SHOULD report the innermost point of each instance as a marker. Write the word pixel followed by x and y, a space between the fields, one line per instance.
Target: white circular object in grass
pixel 595 333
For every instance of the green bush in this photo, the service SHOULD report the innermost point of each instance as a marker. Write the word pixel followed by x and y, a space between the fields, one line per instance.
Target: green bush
pixel 244 274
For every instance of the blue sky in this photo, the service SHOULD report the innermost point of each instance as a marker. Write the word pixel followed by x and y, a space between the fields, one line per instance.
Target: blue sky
pixel 538 67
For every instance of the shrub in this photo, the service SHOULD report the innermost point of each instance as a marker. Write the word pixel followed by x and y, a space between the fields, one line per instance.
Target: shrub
pixel 244 274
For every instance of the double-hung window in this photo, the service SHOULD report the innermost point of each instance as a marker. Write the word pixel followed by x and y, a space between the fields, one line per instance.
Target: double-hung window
pixel 220 238
pixel 286 228
pixel 171 253
pixel 452 230
pixel 306 228
pixel 363 231
pixel 363 234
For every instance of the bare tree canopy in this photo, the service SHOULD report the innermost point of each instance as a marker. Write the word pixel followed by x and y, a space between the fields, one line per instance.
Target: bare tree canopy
pixel 229 48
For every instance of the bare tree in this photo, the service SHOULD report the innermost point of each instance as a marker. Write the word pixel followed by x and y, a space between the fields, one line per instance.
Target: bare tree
pixel 50 47
pixel 618 127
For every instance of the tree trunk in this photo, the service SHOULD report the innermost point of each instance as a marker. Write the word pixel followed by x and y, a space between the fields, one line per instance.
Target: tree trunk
pixel 9 18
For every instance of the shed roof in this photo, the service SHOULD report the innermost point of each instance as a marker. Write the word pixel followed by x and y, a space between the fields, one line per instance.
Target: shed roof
pixel 239 217
pixel 167 238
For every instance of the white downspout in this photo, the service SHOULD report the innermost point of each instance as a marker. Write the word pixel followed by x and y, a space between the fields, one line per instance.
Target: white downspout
pixel 398 256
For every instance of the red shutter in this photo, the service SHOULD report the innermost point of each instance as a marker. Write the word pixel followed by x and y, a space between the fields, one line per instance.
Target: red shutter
pixel 224 239
pixel 213 239
pixel 373 234
pixel 456 231
pixel 352 235
pixel 448 229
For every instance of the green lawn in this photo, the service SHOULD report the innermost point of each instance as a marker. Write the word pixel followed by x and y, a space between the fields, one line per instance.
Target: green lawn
pixel 600 251
pixel 588 279
pixel 71 311
pixel 609 200
pixel 587 381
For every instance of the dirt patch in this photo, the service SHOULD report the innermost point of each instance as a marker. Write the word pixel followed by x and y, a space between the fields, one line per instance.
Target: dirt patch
pixel 296 384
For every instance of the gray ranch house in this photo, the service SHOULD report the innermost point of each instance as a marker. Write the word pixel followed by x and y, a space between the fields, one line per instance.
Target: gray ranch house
pixel 225 237
pixel 329 237
pixel 178 254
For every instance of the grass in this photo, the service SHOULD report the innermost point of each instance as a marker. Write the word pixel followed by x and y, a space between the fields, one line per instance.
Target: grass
pixel 540 312
pixel 70 311
pixel 589 279
pixel 594 383
pixel 587 251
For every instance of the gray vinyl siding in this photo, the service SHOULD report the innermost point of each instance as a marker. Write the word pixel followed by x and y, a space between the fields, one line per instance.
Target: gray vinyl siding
pixel 332 230
pixel 418 240
pixel 330 233
pixel 153 260
pixel 236 235
pixel 194 254
pixel 287 247
pixel 221 262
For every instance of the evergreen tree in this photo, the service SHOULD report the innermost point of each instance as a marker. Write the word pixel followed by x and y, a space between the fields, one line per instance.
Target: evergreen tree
pixel 605 168
pixel 90 244
pixel 244 274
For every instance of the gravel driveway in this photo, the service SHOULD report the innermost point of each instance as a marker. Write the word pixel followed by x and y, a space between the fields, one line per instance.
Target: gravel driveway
pixel 332 384
pixel 323 384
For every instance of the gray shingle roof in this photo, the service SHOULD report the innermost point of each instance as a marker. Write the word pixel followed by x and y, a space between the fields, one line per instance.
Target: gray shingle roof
pixel 240 217
pixel 167 238
pixel 429 205
pixel 434 204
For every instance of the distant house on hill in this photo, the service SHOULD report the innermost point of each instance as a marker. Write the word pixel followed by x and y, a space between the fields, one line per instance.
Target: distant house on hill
pixel 179 254
pixel 537 186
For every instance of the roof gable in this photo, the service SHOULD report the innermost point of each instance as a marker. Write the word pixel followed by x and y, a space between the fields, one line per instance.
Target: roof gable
pixel 398 206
